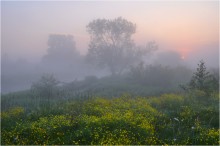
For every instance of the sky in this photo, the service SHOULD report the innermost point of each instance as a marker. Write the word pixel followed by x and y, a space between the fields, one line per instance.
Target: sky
pixel 189 27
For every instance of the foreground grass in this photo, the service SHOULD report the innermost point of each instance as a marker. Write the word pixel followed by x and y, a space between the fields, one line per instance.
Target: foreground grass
pixel 168 119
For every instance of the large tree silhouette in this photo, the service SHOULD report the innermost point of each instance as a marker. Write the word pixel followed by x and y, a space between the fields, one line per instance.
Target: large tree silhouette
pixel 111 45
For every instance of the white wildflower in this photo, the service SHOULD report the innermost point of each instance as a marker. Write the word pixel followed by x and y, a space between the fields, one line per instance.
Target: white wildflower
pixel 176 119
pixel 16 138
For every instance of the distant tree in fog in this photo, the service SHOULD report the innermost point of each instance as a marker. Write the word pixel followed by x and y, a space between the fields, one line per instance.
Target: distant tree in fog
pixel 61 48
pixel 111 45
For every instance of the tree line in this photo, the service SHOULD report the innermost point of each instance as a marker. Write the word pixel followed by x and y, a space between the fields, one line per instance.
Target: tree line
pixel 111 46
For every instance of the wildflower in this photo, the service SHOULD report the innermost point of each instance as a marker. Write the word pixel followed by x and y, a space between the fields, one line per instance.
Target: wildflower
pixel 192 127
pixel 174 139
pixel 176 119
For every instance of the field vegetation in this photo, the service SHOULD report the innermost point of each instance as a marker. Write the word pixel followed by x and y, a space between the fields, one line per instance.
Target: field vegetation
pixel 144 106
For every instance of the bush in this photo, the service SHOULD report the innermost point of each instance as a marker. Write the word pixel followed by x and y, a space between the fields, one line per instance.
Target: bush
pixel 46 86
pixel 167 102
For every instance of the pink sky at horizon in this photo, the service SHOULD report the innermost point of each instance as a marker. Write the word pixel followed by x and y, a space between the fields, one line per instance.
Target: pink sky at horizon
pixel 185 27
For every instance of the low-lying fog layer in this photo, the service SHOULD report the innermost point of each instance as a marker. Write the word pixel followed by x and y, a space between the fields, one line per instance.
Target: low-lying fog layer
pixel 67 67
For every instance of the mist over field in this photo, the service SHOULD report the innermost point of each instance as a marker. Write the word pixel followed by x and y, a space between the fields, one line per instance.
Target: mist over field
pixel 183 39
pixel 107 72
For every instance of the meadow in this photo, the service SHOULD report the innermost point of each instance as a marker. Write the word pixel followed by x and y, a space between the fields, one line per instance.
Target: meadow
pixel 112 110
pixel 110 73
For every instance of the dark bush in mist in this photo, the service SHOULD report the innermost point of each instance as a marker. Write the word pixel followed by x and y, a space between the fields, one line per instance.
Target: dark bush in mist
pixel 158 75
pixel 46 86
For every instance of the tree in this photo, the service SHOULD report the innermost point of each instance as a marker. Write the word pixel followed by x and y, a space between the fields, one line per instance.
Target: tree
pixel 111 45
pixel 202 80
pixel 61 48
pixel 200 77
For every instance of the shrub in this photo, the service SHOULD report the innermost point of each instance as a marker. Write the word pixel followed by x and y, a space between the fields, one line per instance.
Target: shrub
pixel 46 87
pixel 169 102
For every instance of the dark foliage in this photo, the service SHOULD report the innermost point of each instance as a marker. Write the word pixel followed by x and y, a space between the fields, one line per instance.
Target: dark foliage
pixel 202 80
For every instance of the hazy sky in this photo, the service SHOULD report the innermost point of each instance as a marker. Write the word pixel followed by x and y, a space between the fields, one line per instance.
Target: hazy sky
pixel 187 26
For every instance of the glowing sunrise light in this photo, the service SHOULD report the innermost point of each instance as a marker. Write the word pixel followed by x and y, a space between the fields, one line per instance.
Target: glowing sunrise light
pixel 183 57
pixel 184 51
